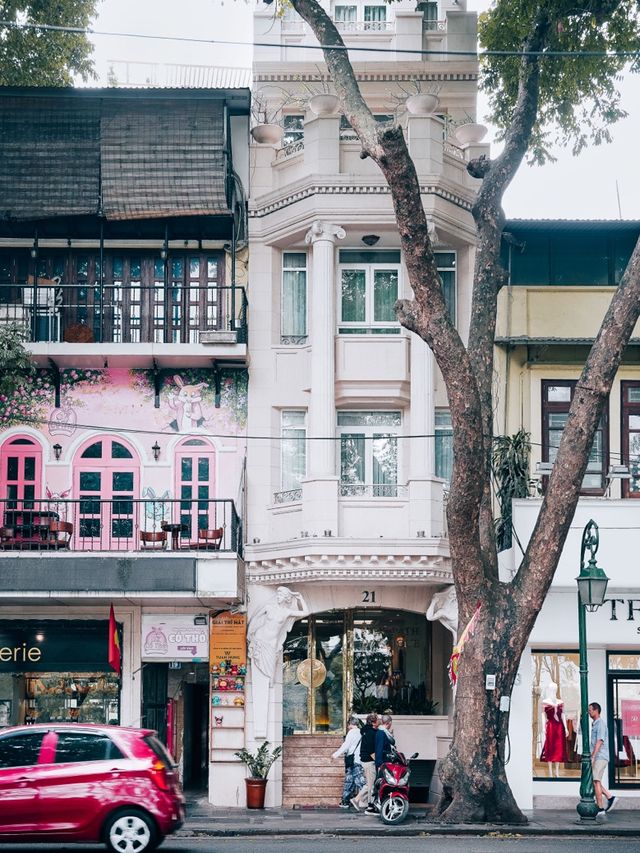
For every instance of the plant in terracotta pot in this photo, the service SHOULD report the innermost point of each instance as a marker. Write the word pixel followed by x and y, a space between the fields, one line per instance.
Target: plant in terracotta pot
pixel 259 763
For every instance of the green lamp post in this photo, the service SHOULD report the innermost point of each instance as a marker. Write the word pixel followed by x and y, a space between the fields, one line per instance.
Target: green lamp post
pixel 592 588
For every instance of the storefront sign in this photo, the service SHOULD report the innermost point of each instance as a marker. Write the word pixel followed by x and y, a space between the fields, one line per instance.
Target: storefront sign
pixel 53 645
pixel 623 608
pixel 229 640
pixel 170 637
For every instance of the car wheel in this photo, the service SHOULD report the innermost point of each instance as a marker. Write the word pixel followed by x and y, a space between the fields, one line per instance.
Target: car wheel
pixel 130 831
pixel 394 810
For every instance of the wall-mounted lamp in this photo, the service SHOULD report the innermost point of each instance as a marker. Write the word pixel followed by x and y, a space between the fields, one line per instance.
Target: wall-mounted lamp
pixel 156 451
pixel 421 534
pixel 57 451
pixel 164 251
pixel 256 540
pixel 370 239
pixel 33 251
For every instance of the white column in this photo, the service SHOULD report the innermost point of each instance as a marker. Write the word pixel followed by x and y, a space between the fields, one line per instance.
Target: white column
pixel 422 409
pixel 320 492
pixel 425 493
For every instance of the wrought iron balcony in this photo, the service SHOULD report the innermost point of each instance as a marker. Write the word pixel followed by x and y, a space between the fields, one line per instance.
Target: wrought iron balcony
pixel 121 524
pixel 112 313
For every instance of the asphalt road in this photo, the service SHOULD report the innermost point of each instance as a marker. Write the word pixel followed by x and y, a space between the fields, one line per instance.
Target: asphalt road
pixel 327 844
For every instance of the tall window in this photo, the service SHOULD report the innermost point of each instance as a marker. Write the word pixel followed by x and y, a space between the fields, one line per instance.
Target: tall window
pixel 556 400
pixel 369 453
pixel 444 444
pixel 446 263
pixel 294 298
pixel 369 287
pixel 20 472
pixel 630 392
pixel 293 464
pixel 293 129
pixel 375 17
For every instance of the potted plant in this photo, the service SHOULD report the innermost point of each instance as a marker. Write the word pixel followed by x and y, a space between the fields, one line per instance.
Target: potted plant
pixel 321 100
pixel 266 128
pixel 467 131
pixel 420 99
pixel 259 764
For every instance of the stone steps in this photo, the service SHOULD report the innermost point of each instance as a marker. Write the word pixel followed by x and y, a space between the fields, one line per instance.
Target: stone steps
pixel 310 776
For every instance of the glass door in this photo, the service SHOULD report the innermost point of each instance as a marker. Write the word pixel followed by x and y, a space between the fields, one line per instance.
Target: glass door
pixel 21 468
pixel 107 483
pixel 195 470
pixel 624 728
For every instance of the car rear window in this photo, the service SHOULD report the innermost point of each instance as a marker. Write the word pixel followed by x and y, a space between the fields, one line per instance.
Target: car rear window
pixel 20 750
pixel 159 749
pixel 83 746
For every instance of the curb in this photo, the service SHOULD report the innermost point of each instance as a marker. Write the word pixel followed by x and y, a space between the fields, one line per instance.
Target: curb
pixel 492 830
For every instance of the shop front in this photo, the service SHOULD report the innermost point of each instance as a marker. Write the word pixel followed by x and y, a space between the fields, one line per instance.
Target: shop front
pixel 175 688
pixel 360 660
pixel 56 670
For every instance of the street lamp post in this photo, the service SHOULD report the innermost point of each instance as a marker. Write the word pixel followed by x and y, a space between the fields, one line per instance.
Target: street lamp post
pixel 592 588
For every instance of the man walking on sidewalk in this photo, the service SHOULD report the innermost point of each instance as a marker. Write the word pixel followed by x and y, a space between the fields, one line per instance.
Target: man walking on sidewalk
pixel 600 759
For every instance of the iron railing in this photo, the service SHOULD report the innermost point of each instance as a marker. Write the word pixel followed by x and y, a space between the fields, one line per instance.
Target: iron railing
pixel 123 523
pixel 50 311
pixel 373 490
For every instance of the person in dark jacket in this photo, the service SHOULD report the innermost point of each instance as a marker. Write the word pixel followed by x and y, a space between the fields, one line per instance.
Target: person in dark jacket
pixel 384 743
pixel 367 759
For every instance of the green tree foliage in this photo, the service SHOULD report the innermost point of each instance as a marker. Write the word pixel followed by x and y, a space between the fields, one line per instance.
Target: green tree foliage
pixel 15 362
pixel 31 57
pixel 579 95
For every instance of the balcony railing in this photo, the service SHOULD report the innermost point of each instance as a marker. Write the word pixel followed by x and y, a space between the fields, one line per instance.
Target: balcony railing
pixel 132 314
pixel 365 26
pixel 373 490
pixel 120 524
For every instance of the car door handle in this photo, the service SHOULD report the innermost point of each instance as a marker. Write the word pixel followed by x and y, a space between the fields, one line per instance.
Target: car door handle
pixel 23 781
pixel 115 772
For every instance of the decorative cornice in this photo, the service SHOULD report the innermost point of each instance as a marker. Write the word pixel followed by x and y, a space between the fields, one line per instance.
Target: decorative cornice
pixel 323 568
pixel 367 77
pixel 351 189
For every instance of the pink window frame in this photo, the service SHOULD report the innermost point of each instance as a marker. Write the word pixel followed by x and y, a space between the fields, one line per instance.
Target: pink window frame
pixel 21 450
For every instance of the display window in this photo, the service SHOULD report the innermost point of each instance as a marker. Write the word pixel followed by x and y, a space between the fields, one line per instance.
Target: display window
pixel 355 660
pixel 556 744
pixel 624 718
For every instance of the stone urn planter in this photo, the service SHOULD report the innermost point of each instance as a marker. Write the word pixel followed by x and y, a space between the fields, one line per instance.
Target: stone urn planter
pixel 324 104
pixel 267 134
pixel 422 104
pixel 470 133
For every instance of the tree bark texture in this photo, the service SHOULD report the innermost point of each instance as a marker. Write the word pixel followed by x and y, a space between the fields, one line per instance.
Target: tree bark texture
pixel 473 775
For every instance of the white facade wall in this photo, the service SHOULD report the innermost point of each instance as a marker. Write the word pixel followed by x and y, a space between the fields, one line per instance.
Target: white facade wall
pixel 320 197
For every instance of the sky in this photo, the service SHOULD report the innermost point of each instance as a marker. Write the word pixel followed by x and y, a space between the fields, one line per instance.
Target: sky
pixel 599 184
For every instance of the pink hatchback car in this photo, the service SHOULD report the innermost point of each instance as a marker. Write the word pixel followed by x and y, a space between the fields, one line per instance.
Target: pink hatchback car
pixel 63 782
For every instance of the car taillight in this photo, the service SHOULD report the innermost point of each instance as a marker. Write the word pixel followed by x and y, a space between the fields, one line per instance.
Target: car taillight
pixel 159 775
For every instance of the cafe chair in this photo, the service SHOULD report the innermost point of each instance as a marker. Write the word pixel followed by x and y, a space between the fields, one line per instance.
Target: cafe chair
pixel 153 540
pixel 60 533
pixel 7 538
pixel 209 540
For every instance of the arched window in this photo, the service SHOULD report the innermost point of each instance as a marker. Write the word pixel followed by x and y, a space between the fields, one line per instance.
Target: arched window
pixel 195 472
pixel 106 479
pixel 20 472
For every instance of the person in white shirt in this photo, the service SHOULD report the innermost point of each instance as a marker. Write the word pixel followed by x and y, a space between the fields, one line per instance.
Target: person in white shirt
pixel 354 779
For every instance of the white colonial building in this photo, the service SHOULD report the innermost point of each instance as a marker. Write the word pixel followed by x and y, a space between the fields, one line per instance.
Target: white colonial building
pixel 349 431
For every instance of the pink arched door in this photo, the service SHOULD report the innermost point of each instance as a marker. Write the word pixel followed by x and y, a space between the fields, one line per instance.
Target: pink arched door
pixel 195 487
pixel 20 473
pixel 106 480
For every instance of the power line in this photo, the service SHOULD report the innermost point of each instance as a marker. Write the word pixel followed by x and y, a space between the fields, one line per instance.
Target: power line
pixel 474 54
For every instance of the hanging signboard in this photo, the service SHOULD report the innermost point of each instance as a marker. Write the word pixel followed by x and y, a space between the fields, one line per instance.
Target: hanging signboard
pixel 174 637
pixel 228 643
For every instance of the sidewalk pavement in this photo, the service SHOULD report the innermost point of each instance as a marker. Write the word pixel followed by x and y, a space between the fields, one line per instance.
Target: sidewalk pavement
pixel 205 820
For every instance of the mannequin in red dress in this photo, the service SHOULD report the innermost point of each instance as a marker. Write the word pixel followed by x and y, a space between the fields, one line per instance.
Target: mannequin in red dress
pixel 554 750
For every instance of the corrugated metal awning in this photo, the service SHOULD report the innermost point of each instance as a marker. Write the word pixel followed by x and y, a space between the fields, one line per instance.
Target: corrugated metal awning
pixel 122 158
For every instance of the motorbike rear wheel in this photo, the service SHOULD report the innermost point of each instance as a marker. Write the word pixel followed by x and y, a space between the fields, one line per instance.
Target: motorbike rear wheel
pixel 394 810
